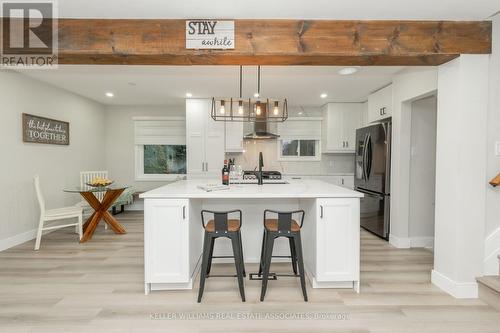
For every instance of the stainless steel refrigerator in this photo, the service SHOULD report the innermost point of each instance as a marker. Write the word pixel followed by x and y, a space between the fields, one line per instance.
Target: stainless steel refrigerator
pixel 373 176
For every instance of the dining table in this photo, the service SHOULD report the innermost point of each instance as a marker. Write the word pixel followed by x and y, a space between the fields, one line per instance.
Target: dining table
pixel 109 194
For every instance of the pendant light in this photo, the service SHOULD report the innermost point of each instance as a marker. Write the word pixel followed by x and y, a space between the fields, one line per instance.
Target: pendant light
pixel 257 109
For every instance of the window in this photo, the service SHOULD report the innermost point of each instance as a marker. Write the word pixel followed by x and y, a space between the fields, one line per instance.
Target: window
pixel 298 150
pixel 160 148
pixel 164 159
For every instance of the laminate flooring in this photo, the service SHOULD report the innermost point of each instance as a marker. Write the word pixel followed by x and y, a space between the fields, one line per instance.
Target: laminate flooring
pixel 98 287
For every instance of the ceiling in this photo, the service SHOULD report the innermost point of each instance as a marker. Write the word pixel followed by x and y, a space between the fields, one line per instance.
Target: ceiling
pixel 280 9
pixel 161 85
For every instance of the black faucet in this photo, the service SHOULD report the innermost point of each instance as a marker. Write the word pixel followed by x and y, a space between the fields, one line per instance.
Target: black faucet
pixel 259 173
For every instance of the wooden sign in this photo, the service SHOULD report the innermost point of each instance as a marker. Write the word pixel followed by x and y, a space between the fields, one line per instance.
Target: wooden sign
pixel 209 34
pixel 45 130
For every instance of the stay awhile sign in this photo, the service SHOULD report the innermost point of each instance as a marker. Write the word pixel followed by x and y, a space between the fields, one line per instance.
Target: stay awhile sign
pixel 209 34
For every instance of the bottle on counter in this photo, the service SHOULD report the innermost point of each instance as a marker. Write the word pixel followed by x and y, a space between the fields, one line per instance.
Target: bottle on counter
pixel 225 174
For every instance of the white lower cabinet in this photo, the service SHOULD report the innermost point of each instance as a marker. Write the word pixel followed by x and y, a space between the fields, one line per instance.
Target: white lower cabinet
pixel 344 180
pixel 169 255
pixel 337 241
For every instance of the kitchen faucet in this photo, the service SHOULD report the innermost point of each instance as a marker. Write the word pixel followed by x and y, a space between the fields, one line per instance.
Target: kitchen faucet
pixel 259 173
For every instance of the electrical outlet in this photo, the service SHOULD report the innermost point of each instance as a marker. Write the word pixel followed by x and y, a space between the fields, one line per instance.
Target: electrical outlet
pixel 497 148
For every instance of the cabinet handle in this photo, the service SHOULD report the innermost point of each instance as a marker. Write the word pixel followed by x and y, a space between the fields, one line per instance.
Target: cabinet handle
pixel 183 212
pixel 342 181
pixel 321 212
pixel 347 144
pixel 206 166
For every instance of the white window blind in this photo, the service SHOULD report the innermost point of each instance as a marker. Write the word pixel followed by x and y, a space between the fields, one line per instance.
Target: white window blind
pixel 160 131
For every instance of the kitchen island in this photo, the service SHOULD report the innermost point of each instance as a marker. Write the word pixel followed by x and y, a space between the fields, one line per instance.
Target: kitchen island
pixel 173 234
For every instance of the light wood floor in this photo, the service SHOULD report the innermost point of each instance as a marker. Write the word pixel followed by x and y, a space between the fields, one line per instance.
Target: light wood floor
pixel 98 287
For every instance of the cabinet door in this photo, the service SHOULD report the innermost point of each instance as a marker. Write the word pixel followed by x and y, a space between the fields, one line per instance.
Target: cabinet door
pixel 351 121
pixel 347 181
pixel 380 104
pixel 332 129
pixel 166 241
pixel 234 137
pixel 195 136
pixel 214 146
pixel 337 236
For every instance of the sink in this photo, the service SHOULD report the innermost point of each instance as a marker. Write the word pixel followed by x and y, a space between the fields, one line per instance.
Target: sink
pixel 254 182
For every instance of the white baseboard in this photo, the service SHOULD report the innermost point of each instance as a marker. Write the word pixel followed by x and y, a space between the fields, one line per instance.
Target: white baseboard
pixel 454 288
pixel 408 242
pixel 491 252
pixel 399 242
pixel 15 240
pixel 422 242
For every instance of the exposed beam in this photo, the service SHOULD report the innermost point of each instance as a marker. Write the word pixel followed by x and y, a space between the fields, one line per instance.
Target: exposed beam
pixel 274 42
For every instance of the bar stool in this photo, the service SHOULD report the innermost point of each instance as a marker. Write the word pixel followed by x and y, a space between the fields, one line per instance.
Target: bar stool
pixel 222 226
pixel 282 226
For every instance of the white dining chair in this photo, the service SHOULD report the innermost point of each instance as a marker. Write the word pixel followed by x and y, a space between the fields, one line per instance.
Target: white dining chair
pixel 87 177
pixel 47 215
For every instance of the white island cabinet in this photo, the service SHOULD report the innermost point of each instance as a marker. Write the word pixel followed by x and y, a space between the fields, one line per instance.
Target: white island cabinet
pixel 173 232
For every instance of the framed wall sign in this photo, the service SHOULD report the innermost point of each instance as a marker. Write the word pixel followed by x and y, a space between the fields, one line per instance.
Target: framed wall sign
pixel 210 34
pixel 38 129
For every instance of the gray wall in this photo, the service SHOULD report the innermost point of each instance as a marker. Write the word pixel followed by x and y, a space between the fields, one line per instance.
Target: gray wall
pixel 58 166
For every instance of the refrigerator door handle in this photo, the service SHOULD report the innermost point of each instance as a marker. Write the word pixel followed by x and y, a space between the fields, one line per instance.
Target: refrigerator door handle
pixel 365 143
pixel 368 159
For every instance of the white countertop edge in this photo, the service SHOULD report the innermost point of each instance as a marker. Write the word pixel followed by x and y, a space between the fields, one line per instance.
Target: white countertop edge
pixel 300 189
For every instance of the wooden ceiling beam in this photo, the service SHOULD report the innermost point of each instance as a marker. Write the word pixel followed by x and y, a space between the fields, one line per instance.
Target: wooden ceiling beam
pixel 274 42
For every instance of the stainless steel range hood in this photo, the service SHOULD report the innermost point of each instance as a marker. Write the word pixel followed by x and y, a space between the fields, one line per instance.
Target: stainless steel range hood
pixel 260 126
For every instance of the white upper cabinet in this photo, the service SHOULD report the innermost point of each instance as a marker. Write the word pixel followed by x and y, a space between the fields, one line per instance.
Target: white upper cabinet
pixel 234 136
pixel 340 121
pixel 380 104
pixel 204 140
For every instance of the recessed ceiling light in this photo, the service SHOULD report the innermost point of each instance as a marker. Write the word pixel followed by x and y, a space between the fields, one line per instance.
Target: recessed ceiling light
pixel 323 95
pixel 189 95
pixel 256 95
pixel 110 94
pixel 348 70
pixel 301 113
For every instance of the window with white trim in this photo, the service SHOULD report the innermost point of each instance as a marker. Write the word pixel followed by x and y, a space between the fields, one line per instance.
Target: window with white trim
pixel 300 139
pixel 160 148
pixel 290 149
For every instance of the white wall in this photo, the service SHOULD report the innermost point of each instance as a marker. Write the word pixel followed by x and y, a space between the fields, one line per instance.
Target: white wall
pixel 492 245
pixel 408 85
pixel 461 174
pixel 58 166
pixel 422 172
pixel 119 141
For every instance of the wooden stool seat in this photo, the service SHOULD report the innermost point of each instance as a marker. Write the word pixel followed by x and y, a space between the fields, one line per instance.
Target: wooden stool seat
pixel 233 225
pixel 272 225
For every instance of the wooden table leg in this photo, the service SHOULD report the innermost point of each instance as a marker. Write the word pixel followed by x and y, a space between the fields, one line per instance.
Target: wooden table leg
pixel 101 212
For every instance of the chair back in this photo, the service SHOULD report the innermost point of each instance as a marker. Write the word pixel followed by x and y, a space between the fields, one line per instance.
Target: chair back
pixel 285 219
pixel 88 176
pixel 39 194
pixel 220 219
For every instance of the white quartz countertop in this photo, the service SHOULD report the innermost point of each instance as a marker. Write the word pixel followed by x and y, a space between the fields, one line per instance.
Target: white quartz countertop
pixel 310 188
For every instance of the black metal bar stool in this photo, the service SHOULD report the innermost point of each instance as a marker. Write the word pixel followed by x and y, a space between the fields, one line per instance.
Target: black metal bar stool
pixel 282 226
pixel 222 226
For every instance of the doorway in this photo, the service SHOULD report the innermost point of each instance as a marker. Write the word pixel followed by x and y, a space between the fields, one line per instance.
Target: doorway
pixel 422 172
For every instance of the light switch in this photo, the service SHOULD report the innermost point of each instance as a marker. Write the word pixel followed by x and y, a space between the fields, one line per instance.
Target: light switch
pixel 497 148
